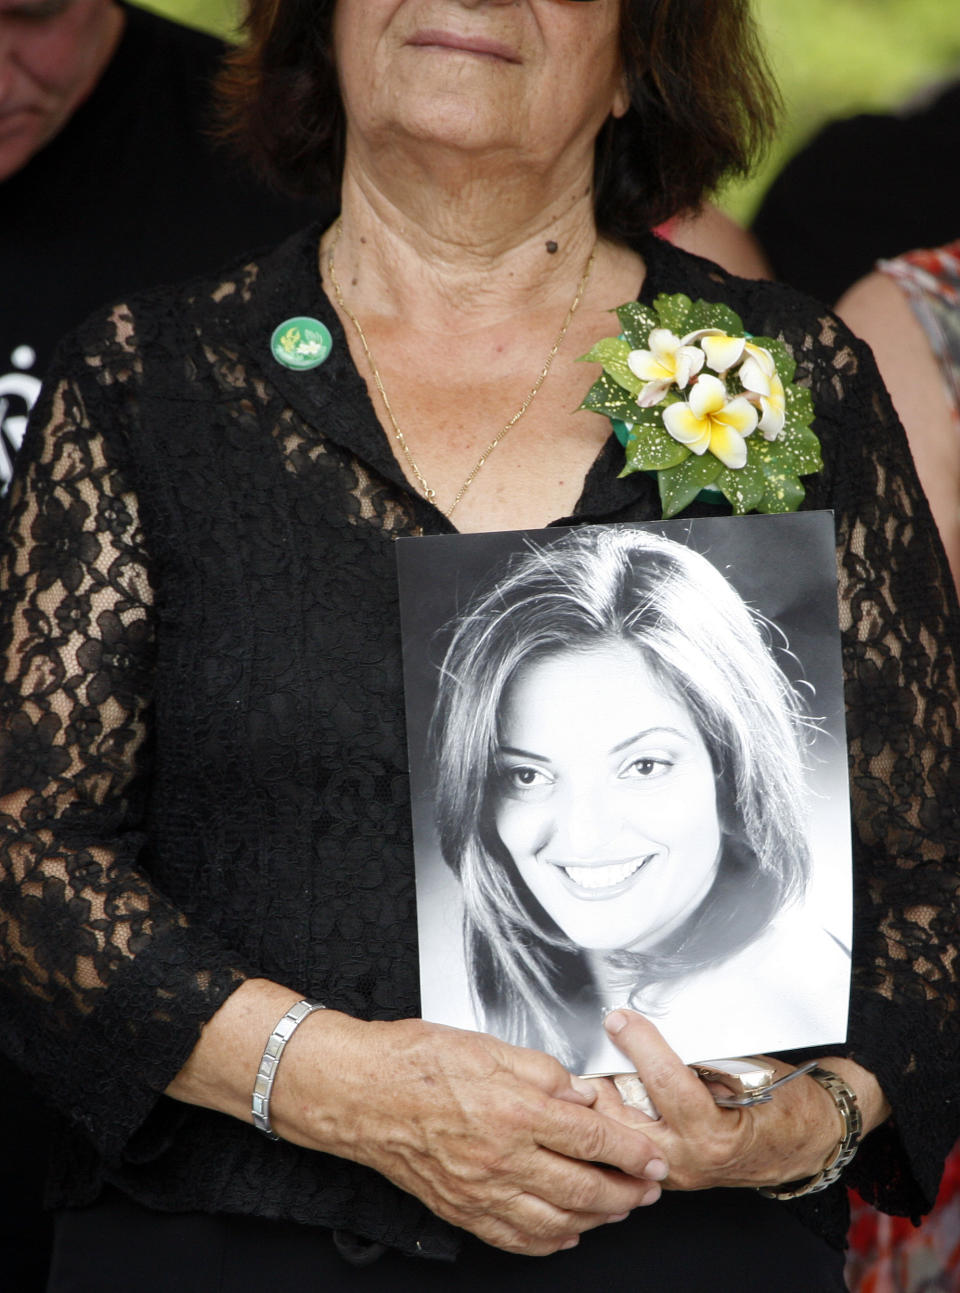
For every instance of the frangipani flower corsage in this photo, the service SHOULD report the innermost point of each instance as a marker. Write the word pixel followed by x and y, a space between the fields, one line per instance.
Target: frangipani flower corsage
pixel 711 409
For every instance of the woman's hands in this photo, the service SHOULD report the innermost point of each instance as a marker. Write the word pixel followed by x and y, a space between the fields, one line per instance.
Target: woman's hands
pixel 496 1139
pixel 500 1140
pixel 493 1138
pixel 786 1139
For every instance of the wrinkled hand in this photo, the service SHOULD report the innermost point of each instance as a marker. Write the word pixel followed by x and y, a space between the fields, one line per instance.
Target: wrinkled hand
pixel 705 1145
pixel 494 1138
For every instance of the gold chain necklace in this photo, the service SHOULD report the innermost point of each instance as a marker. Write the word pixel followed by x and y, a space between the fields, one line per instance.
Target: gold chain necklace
pixel 428 492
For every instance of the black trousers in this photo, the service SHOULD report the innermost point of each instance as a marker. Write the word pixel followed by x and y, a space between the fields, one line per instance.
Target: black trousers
pixel 726 1242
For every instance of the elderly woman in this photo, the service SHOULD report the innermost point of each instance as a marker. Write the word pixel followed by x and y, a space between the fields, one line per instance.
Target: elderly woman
pixel 619 787
pixel 206 827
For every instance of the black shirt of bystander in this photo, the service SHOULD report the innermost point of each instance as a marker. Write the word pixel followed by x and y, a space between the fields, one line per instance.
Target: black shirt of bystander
pixel 133 192
pixel 866 187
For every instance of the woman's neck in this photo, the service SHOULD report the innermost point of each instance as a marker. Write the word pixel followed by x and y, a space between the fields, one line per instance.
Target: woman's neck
pixel 457 303
pixel 454 254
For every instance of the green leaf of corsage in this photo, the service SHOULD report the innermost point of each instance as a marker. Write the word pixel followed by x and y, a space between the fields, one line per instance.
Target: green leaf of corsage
pixel 711 409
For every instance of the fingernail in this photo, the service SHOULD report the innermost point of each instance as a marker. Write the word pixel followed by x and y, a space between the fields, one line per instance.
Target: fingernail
pixel 583 1087
pixel 656 1170
pixel 651 1196
pixel 621 1216
pixel 571 1243
pixel 615 1022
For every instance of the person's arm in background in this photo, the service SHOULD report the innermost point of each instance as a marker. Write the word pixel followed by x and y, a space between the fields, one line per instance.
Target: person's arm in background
pixel 878 310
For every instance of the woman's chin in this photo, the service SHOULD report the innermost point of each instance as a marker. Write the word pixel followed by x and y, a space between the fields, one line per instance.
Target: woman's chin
pixel 448 116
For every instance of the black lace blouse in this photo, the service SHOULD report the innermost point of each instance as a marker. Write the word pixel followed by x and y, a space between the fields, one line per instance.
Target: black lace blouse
pixel 203 759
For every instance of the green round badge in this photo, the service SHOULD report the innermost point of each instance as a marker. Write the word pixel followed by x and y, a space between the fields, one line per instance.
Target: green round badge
pixel 301 343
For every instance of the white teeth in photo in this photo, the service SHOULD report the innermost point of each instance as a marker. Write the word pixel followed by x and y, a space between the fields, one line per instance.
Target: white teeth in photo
pixel 603 877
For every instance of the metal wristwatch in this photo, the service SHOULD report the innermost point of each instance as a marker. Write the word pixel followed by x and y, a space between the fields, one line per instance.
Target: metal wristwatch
pixel 846 1102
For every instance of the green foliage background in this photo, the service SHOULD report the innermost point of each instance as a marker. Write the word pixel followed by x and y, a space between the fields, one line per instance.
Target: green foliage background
pixel 832 58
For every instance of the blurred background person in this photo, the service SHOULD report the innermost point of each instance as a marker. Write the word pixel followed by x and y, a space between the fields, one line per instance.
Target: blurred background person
pixel 110 180
pixel 865 187
pixel 908 309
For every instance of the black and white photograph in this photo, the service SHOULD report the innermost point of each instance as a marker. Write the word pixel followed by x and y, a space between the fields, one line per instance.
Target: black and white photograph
pixel 629 783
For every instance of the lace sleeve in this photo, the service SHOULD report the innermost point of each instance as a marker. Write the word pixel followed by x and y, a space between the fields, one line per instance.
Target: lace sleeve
pixel 900 642
pixel 105 986
pixel 899 625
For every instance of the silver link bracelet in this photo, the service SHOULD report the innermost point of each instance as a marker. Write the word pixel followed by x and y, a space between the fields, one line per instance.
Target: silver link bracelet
pixel 270 1060
pixel 849 1111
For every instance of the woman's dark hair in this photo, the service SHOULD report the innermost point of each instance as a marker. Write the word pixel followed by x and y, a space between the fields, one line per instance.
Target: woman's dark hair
pixel 702 104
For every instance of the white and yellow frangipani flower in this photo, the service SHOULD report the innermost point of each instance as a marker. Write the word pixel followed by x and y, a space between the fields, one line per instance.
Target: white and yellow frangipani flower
pixel 668 362
pixel 722 352
pixel 709 419
pixel 759 377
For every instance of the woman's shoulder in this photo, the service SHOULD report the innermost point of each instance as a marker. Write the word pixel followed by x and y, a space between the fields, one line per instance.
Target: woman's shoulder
pixel 225 305
pixel 185 346
pixel 830 361
pixel 759 301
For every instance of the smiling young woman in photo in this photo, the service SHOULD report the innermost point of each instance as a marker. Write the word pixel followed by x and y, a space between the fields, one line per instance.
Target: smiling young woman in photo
pixel 207 897
pixel 619 773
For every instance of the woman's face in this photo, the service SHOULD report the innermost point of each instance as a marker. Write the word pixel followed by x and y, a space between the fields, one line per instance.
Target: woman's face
pixel 606 797
pixel 532 77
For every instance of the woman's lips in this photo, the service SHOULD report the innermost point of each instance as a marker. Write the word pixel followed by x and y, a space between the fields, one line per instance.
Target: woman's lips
pixel 464 44
pixel 601 880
